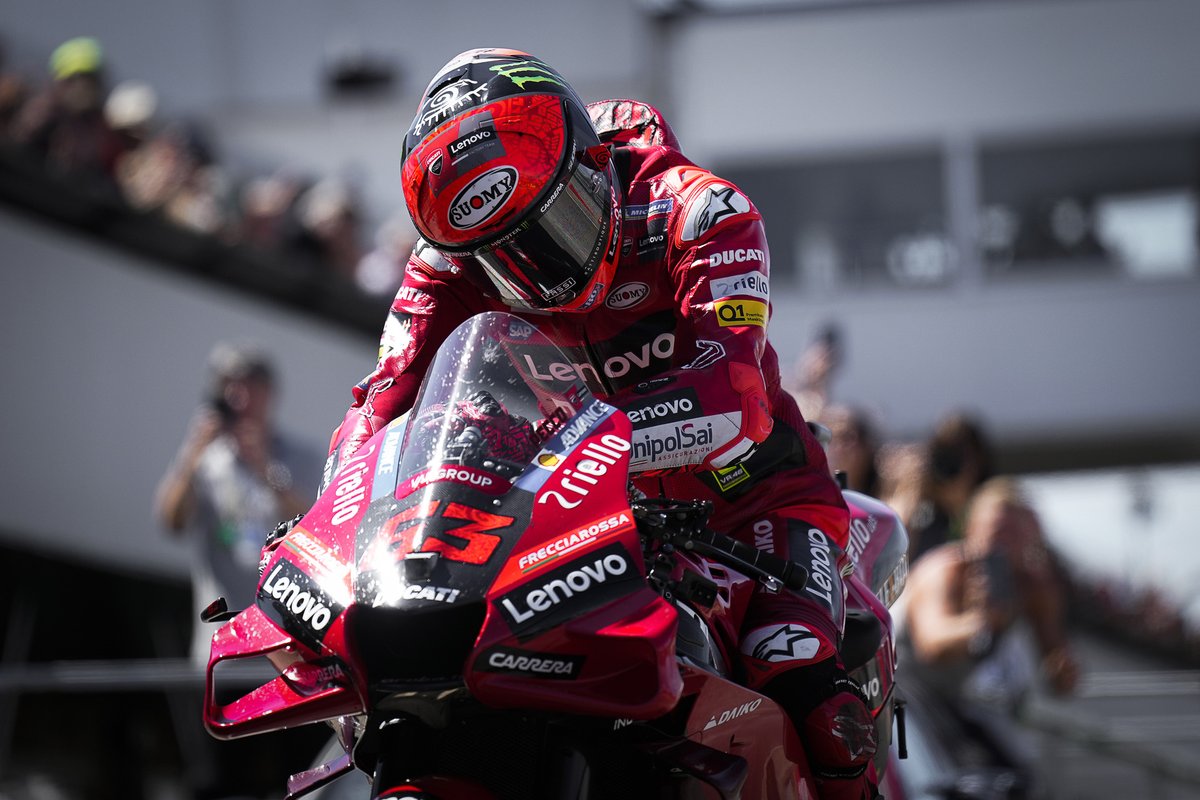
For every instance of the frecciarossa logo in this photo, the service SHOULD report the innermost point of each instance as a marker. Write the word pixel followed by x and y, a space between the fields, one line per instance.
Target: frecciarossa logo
pixel 559 594
pixel 294 600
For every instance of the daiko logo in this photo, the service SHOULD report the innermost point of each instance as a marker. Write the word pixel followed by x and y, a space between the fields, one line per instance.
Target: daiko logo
pixel 482 198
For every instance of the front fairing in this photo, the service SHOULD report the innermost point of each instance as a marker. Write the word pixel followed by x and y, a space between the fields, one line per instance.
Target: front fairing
pixel 464 546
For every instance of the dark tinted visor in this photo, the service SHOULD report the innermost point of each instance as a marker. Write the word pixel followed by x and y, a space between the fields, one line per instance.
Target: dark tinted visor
pixel 551 257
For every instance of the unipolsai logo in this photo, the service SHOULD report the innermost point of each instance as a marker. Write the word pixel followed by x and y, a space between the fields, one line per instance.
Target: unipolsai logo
pixel 480 199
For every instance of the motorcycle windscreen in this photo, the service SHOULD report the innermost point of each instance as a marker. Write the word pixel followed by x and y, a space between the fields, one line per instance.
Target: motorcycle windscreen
pixel 445 513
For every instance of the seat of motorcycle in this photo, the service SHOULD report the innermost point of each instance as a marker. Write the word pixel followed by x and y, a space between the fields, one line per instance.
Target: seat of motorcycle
pixel 861 639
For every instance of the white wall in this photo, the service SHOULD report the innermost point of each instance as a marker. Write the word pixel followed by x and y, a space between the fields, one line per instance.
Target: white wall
pixel 925 72
pixel 1055 360
pixel 103 363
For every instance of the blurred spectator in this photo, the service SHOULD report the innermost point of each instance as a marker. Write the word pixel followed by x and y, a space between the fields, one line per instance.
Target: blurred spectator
pixel 854 448
pixel 64 124
pixel 14 92
pixel 129 111
pixel 381 271
pixel 958 620
pixel 330 225
pixel 815 370
pixel 233 479
pixel 172 172
pixel 266 204
pixel 930 485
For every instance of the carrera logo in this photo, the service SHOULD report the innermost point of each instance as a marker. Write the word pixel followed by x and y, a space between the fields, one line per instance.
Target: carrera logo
pixel 627 295
pixel 562 593
pixel 482 198
pixel 527 662
pixel 741 313
pixel 293 599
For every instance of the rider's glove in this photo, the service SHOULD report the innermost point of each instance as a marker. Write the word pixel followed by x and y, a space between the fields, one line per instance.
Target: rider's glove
pixel 273 539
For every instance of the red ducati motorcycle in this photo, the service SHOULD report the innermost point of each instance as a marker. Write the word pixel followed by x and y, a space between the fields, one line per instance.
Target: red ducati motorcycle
pixel 480 608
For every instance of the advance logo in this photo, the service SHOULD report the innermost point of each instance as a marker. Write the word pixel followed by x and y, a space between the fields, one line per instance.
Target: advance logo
pixel 294 600
pixel 560 594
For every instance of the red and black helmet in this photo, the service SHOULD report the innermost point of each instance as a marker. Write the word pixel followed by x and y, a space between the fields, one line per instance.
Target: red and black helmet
pixel 505 175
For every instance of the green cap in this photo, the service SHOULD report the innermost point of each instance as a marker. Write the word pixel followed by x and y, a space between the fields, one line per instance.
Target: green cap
pixel 76 56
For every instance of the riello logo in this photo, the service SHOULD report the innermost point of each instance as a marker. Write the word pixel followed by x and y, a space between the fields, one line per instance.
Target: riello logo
pixel 480 199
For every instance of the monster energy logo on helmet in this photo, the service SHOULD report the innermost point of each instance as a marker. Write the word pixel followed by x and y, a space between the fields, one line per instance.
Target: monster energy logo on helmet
pixel 527 72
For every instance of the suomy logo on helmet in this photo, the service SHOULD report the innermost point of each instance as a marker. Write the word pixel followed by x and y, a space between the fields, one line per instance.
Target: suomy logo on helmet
pixel 482 198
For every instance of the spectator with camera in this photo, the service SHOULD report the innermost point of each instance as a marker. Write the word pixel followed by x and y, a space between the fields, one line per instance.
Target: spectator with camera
pixel 233 479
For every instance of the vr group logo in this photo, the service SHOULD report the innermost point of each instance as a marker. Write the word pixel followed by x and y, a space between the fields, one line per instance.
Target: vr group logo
pixel 480 199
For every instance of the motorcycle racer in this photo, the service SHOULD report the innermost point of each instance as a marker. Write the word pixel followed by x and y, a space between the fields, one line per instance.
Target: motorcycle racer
pixel 651 274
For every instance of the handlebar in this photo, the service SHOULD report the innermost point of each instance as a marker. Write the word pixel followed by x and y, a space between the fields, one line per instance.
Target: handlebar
pixel 682 525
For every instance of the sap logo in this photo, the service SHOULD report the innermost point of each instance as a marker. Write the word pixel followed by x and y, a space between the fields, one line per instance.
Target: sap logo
pixel 575 484
pixel 520 330
pixel 733 713
pixel 562 588
pixel 738 256
pixel 350 489
pixel 526 662
pixel 750 283
pixel 294 592
pixel 480 199
pixel 627 295
pixel 617 366
pixel 666 408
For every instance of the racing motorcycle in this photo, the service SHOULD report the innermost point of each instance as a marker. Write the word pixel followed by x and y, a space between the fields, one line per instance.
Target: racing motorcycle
pixel 481 607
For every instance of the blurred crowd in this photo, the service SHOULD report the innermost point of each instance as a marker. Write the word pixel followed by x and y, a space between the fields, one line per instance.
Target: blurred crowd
pixel 115 139
pixel 937 482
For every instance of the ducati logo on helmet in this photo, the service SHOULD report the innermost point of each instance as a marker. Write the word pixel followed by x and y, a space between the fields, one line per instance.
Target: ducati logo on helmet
pixel 480 199
pixel 435 163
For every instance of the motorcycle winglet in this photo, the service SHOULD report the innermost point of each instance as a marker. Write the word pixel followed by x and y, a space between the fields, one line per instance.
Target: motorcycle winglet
pixel 279 703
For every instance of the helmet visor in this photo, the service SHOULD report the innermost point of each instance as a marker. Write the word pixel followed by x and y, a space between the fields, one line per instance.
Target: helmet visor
pixel 550 259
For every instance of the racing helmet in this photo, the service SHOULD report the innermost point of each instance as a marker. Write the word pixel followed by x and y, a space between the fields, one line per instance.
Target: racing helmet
pixel 504 174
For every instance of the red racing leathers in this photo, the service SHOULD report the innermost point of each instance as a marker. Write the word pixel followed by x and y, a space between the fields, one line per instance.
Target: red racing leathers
pixel 679 343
